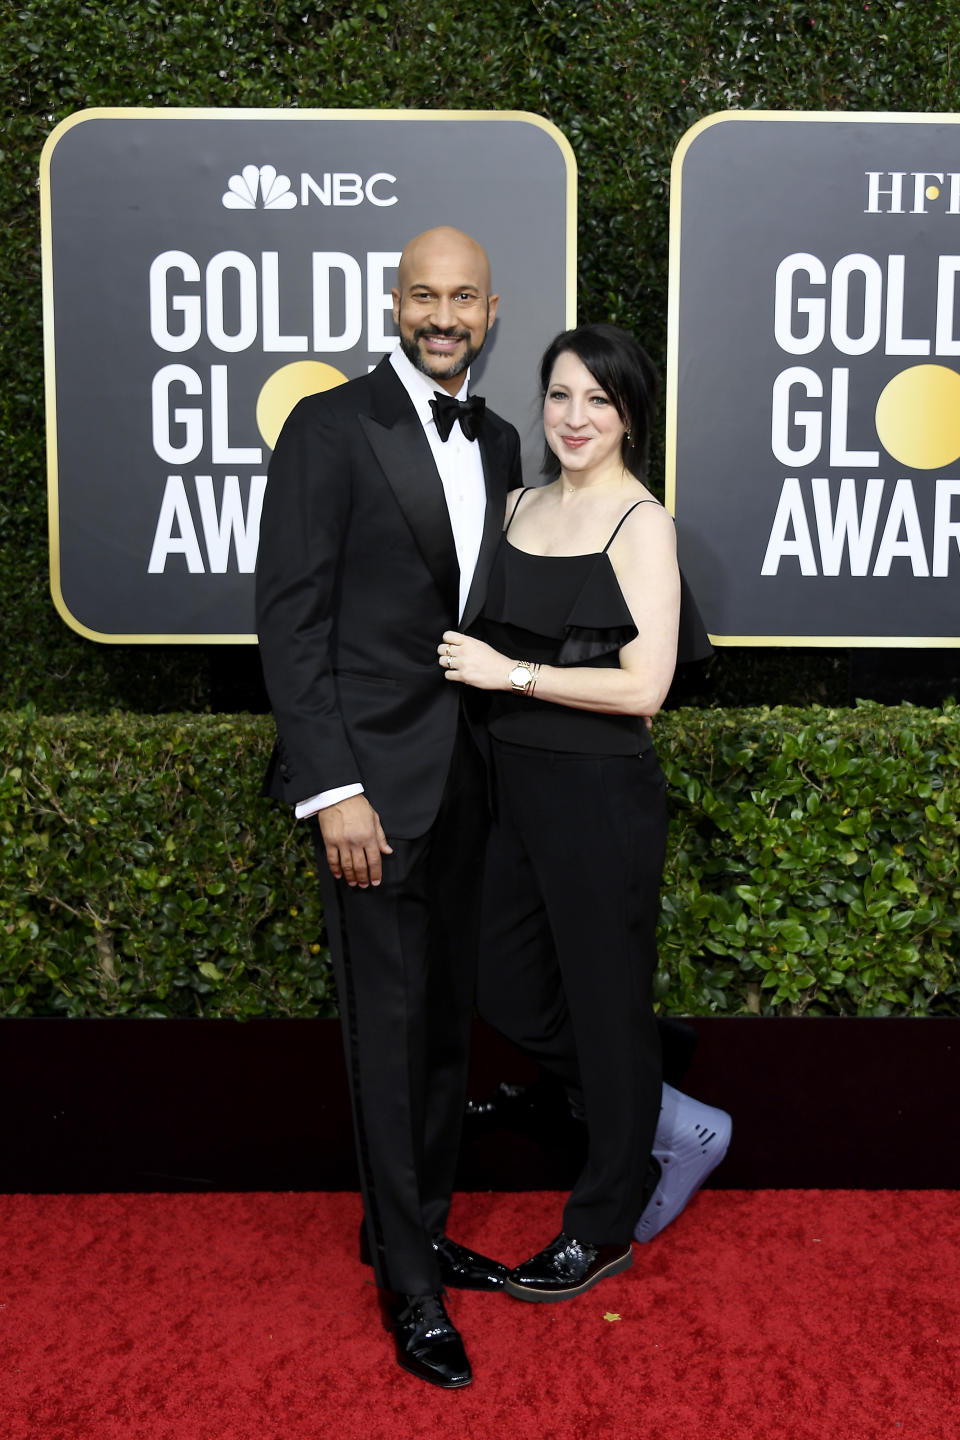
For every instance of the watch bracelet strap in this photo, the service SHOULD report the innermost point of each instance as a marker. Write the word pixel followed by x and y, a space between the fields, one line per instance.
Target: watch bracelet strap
pixel 534 668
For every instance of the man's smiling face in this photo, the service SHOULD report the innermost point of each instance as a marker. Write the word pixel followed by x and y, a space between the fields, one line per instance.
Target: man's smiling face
pixel 442 305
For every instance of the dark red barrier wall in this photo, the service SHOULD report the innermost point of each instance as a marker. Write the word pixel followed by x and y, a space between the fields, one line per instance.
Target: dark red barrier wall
pixel 144 1105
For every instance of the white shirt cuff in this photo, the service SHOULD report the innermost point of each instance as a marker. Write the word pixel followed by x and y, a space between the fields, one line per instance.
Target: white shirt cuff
pixel 325 798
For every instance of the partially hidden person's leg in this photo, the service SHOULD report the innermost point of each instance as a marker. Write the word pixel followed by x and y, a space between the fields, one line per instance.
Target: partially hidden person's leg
pixel 690 1142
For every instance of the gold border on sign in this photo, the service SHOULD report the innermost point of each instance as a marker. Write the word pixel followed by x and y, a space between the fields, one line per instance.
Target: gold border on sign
pixel 739 117
pixel 142 112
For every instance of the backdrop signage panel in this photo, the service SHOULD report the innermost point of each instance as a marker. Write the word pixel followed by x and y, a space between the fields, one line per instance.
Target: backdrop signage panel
pixel 203 270
pixel 813 459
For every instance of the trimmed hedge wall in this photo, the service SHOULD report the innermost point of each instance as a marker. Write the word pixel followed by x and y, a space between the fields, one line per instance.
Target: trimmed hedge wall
pixel 813 867
pixel 623 79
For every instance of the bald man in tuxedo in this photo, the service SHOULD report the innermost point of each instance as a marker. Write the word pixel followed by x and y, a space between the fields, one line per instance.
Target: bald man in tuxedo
pixel 383 510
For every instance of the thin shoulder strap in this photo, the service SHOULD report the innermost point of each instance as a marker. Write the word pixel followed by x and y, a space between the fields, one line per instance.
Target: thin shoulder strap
pixel 622 518
pixel 525 491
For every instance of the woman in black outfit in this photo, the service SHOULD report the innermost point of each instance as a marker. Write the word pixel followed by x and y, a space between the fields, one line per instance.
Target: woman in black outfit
pixel 580 643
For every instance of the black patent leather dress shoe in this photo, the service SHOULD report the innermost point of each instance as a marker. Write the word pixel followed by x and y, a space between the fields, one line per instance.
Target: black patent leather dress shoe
pixel 567 1267
pixel 460 1268
pixel 428 1343
pixel 463 1269
pixel 542 1110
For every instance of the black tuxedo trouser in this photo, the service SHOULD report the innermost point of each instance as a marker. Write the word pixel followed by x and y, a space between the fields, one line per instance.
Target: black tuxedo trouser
pixel 404 956
pixel 568 942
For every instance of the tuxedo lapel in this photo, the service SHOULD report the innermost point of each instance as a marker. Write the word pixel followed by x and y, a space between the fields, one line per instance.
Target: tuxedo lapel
pixel 396 437
pixel 493 455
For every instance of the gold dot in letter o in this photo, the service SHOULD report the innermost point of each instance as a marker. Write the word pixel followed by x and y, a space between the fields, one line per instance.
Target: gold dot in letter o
pixel 285 387
pixel 918 416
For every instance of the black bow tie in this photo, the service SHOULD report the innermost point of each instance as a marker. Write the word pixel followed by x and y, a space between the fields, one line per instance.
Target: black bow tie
pixel 447 410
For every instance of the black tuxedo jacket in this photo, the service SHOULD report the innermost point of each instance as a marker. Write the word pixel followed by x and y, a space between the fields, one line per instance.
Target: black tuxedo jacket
pixel 357 578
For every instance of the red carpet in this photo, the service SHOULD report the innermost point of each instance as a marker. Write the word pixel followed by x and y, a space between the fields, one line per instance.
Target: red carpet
pixel 814 1315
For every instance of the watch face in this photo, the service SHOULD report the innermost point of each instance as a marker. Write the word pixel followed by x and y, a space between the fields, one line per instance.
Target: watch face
pixel 520 676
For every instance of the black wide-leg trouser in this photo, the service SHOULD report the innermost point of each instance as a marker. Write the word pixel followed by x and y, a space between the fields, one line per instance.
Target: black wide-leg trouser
pixel 404 957
pixel 568 940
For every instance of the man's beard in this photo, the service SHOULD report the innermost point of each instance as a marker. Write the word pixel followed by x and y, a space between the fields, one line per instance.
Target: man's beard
pixel 422 362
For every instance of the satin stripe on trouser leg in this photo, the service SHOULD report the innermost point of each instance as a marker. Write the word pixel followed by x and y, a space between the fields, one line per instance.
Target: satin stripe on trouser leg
pixel 404 959
pixel 572 891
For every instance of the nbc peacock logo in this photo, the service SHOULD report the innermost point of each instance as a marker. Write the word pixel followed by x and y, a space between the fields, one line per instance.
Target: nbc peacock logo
pixel 259 187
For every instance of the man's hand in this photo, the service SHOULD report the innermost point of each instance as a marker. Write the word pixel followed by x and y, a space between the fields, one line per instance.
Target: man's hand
pixel 354 841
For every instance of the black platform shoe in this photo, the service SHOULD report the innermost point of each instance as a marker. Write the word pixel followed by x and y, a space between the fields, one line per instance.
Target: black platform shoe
pixel 567 1267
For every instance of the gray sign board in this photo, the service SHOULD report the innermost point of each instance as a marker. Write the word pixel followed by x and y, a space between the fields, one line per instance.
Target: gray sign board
pixel 814 377
pixel 203 270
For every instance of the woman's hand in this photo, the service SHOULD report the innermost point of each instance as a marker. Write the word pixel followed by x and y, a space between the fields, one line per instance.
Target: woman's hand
pixel 473 663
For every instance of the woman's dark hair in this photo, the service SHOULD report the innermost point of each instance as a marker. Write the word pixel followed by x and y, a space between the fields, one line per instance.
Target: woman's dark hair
pixel 625 372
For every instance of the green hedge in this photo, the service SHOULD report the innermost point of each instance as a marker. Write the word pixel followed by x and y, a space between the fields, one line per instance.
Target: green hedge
pixel 813 867
pixel 140 873
pixel 624 79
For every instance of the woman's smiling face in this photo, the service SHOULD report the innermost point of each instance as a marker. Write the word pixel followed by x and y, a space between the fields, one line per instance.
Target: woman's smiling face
pixel 580 421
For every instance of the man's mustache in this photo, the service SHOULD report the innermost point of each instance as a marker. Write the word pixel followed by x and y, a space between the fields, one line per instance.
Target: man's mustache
pixel 451 334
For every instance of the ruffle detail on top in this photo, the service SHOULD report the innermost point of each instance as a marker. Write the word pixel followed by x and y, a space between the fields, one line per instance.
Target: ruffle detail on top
pixel 586 637
pixel 599 621
pixel 693 642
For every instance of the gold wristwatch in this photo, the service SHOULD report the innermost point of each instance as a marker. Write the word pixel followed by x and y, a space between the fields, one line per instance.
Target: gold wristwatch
pixel 523 676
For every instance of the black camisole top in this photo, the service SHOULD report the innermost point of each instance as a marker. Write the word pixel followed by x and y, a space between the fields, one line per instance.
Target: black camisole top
pixel 559 610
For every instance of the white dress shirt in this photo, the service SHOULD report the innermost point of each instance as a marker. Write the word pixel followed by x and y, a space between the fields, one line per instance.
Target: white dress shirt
pixel 461 474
